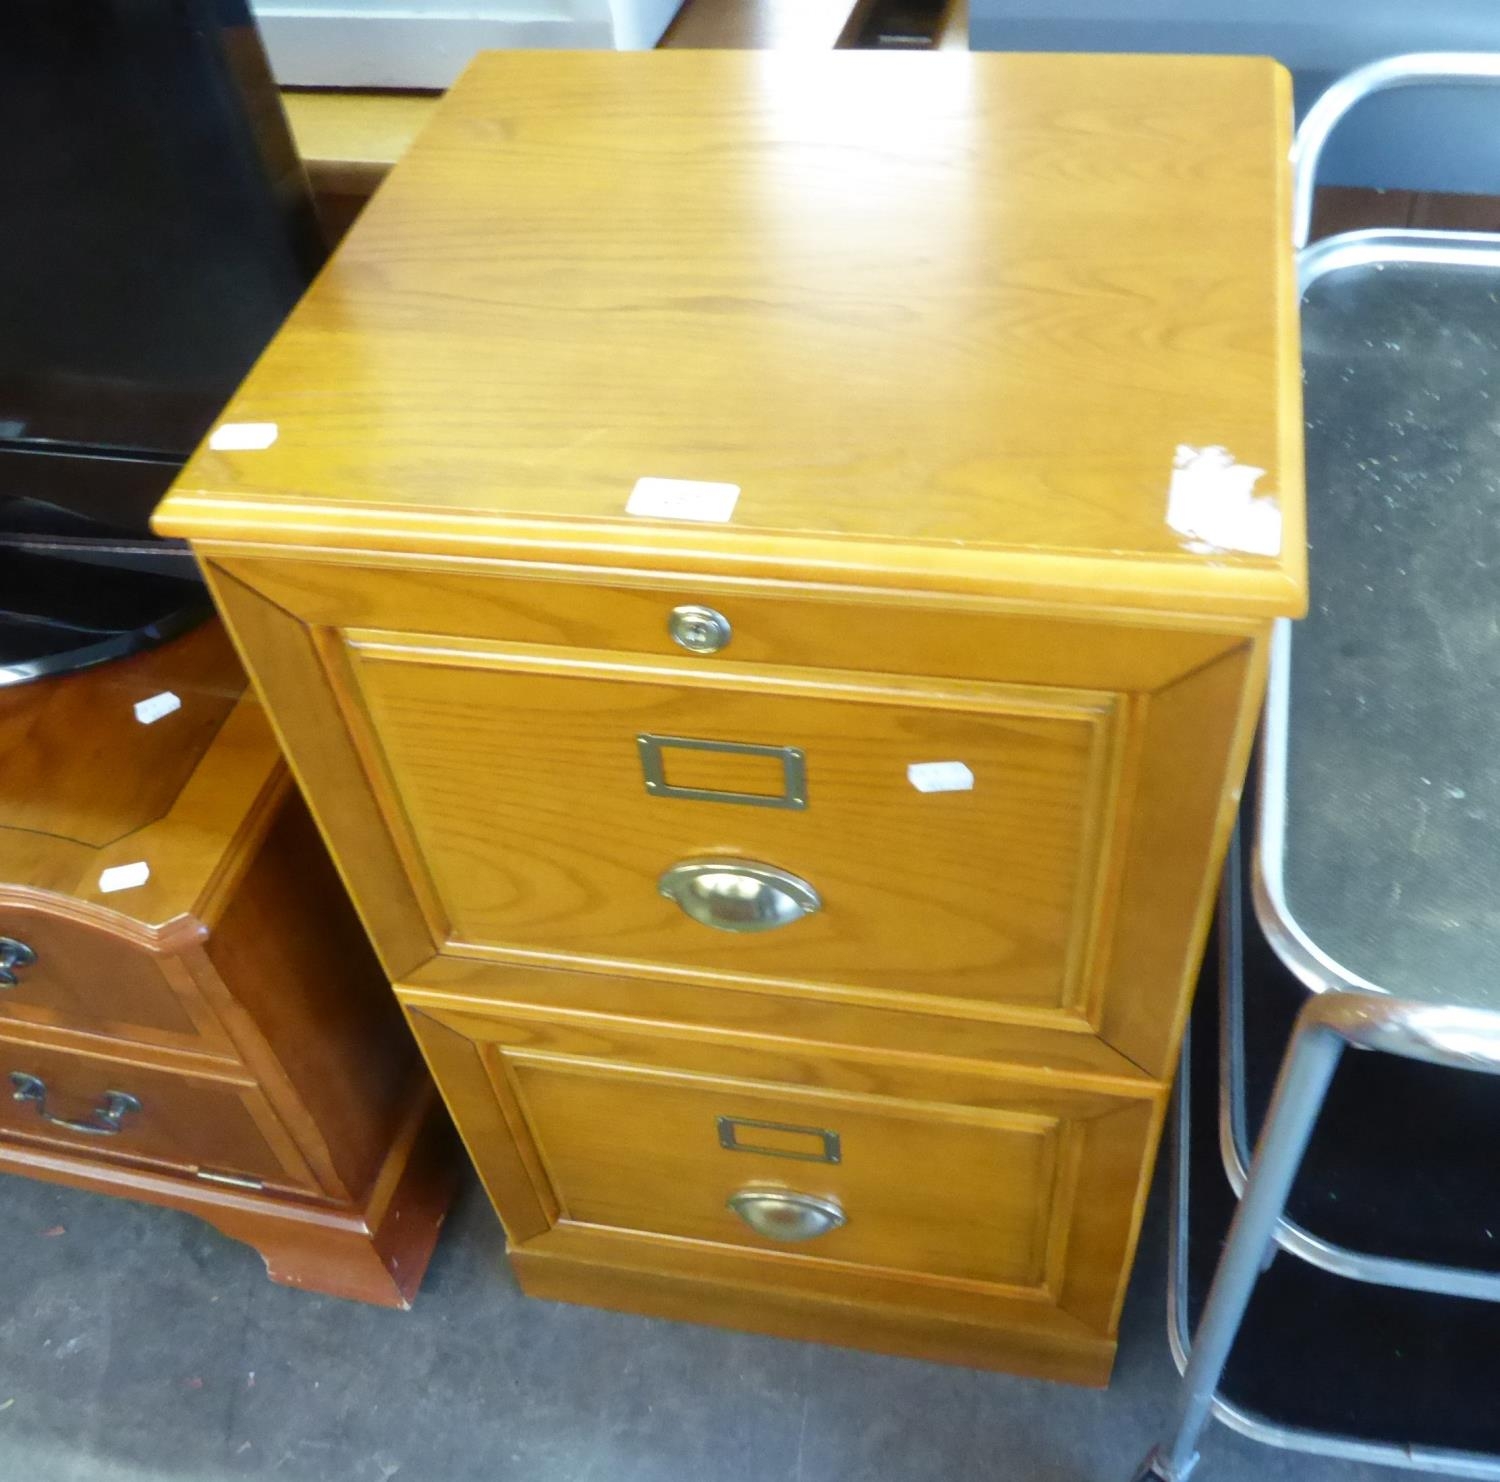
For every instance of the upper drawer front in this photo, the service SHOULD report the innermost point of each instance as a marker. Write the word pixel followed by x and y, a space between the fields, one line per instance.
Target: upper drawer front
pixel 78 975
pixel 551 810
pixel 111 1108
pixel 471 817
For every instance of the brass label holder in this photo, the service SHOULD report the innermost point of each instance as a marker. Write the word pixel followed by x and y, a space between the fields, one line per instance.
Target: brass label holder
pixel 793 762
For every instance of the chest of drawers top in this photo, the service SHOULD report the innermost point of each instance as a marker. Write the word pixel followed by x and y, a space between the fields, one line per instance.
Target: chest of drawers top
pixel 1014 326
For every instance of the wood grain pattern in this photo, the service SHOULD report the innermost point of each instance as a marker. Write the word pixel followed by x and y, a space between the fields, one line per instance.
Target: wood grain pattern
pixel 771 1046
pixel 633 1152
pixel 233 992
pixel 947 323
pixel 373 1250
pixel 751 315
pixel 431 709
pixel 291 674
pixel 696 1008
pixel 488 738
pixel 151 998
pixel 348 1085
pixel 185 1122
pixel 349 140
pixel 1196 745
pixel 954 1185
pixel 1068 1357
pixel 228 797
pixel 962 895
pixel 81 767
pixel 782 623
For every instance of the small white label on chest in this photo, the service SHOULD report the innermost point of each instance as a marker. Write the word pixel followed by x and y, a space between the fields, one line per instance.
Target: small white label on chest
pixel 124 877
pixel 940 777
pixel 147 711
pixel 682 499
pixel 242 437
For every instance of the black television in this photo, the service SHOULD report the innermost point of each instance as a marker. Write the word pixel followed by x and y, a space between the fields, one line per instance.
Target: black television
pixel 158 228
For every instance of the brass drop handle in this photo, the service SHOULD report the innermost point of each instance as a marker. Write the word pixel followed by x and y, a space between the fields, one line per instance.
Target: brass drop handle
pixel 780 1214
pixel 103 1121
pixel 13 954
pixel 738 894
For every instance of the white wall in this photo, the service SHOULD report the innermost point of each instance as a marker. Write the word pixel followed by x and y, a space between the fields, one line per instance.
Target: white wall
pixel 426 43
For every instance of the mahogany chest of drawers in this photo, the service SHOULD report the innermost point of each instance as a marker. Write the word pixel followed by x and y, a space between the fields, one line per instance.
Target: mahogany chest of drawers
pixel 190 1014
pixel 762 565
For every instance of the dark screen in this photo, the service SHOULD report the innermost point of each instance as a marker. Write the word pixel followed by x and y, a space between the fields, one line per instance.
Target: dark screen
pixel 157 227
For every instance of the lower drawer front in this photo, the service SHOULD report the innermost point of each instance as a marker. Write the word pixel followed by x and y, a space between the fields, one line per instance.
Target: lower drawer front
pixel 876 1184
pixel 146 1114
pixel 605 1140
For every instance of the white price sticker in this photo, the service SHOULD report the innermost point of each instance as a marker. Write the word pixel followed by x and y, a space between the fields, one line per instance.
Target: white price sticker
pixel 682 499
pixel 151 710
pixel 940 777
pixel 124 877
pixel 243 437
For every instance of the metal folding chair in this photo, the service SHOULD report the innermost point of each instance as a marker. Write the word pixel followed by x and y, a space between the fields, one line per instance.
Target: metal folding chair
pixel 1377 871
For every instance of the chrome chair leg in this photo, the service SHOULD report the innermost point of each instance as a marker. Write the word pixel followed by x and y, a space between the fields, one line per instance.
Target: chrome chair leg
pixel 1301 1088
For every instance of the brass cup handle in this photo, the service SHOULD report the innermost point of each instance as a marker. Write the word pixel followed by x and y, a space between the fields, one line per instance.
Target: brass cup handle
pixel 738 894
pixel 780 1214
pixel 103 1121
pixel 13 954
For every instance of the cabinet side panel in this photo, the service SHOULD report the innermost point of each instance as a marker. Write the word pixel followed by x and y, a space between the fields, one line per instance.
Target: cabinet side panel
pixel 281 654
pixel 1199 732
pixel 293 955
pixel 493 1144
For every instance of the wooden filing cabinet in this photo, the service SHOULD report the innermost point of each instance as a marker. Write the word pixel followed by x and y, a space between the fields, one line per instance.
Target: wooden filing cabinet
pixel 190 1014
pixel 763 567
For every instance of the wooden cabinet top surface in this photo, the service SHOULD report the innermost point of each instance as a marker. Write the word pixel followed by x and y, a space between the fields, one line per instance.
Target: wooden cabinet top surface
pixel 1016 325
pixel 101 777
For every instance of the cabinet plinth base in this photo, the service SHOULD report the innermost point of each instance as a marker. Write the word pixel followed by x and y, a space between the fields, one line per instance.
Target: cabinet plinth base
pixel 1069 1359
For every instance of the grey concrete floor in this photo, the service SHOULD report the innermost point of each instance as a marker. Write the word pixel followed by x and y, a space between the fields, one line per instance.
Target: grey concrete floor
pixel 137 1343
